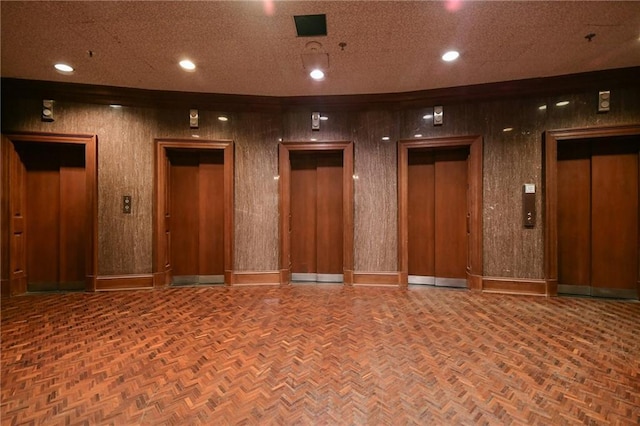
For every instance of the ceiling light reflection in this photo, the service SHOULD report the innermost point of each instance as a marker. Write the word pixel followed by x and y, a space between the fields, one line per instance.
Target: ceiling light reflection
pixel 63 68
pixel 451 55
pixel 317 74
pixel 187 65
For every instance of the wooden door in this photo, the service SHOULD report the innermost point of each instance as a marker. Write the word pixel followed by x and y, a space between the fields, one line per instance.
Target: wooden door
pixel 437 211
pixel 421 216
pixel 316 226
pixel 55 215
pixel 574 217
pixel 614 218
pixel 196 216
pixel 329 217
pixel 451 243
pixel 598 217
pixel 16 186
pixel 303 216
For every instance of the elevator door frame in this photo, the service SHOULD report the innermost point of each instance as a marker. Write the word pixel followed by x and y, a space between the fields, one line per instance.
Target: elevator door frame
pixel 14 276
pixel 474 201
pixel 161 252
pixel 284 165
pixel 550 170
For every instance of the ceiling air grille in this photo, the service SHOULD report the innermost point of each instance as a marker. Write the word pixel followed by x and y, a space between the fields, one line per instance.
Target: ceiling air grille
pixel 311 25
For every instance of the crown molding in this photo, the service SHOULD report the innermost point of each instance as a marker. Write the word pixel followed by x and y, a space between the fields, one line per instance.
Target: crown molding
pixel 13 88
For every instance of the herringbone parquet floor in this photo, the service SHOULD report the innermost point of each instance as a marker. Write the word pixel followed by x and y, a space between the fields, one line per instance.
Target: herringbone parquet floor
pixel 318 355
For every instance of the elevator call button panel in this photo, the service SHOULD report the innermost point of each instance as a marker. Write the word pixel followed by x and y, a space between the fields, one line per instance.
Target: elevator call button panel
pixel 529 205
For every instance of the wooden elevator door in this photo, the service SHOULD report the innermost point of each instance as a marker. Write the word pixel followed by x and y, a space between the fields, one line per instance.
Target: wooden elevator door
pixel 598 217
pixel 316 230
pixel 437 216
pixel 55 218
pixel 196 210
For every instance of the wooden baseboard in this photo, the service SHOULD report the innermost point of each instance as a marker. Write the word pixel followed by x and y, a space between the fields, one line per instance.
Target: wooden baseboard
pixel 160 279
pixel 522 286
pixel 348 277
pixel 5 291
pixel 285 277
pixel 124 282
pixel 377 279
pixel 256 278
pixel 474 282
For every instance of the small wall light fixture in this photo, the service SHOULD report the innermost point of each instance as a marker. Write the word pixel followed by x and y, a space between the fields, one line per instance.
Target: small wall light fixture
pixel 47 110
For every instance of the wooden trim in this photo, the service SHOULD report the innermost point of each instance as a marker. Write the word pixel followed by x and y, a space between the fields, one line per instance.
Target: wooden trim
pixel 285 276
pixel 284 187
pixel 474 282
pixel 13 88
pixel 160 269
pixel 124 282
pixel 474 265
pixel 90 143
pixel 515 286
pixel 5 154
pixel 255 278
pixel 377 279
pixel 161 279
pixel 550 176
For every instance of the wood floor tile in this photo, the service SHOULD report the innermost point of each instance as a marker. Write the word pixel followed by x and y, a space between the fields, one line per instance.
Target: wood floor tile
pixel 318 355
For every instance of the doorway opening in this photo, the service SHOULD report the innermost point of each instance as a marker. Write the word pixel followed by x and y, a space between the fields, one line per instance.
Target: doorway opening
pixel 439 212
pixel 194 213
pixel 50 213
pixel 316 212
pixel 592 206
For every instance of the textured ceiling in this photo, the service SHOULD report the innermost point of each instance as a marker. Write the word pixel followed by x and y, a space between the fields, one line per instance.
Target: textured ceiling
pixel 251 47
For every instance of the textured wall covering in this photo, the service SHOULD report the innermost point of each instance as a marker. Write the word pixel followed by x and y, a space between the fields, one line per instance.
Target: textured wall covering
pixel 125 166
pixel 375 192
pixel 511 159
pixel 256 191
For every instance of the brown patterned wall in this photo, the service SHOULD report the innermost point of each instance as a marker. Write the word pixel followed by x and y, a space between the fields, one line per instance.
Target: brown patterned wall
pixel 125 167
pixel 256 139
pixel 375 192
pixel 125 164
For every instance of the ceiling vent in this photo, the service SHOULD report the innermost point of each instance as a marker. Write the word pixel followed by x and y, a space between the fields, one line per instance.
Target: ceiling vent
pixel 311 25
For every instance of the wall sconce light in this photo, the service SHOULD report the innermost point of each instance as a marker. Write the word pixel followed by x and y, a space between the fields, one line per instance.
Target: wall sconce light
pixel 47 110
pixel 193 118
pixel 604 101
pixel 315 121
pixel 438 115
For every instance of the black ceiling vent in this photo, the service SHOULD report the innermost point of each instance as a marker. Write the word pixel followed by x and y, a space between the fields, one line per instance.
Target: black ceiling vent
pixel 311 25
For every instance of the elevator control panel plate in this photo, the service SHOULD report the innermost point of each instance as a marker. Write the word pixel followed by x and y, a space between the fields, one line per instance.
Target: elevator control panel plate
pixel 529 205
pixel 126 204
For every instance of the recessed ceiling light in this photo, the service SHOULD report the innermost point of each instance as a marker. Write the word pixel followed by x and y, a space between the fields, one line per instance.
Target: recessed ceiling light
pixel 427 116
pixel 507 129
pixel 386 138
pixel 316 74
pixel 542 107
pixel 562 103
pixel 223 118
pixel 187 65
pixel 451 55
pixel 63 68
